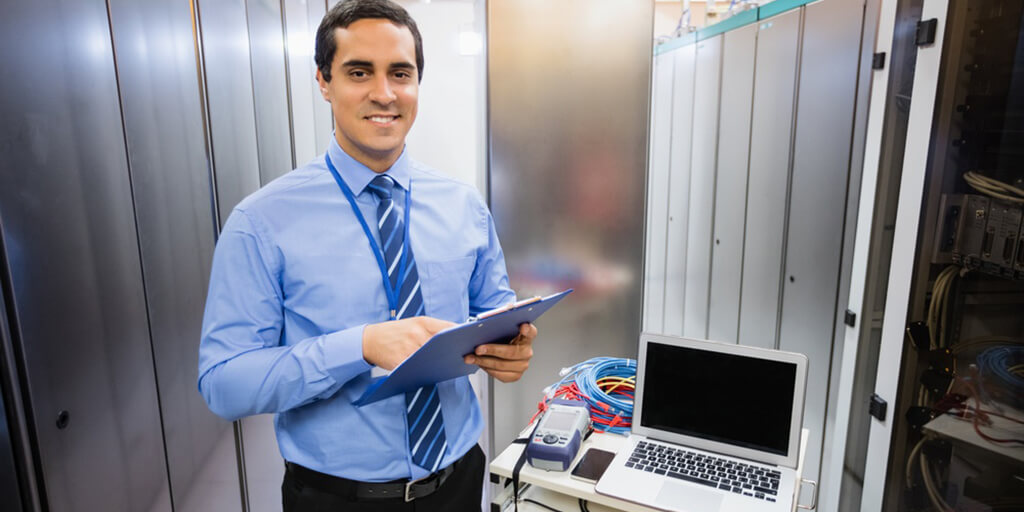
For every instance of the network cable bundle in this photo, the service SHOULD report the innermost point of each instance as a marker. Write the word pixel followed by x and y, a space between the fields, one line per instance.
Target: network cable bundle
pixel 977 380
pixel 1001 373
pixel 606 384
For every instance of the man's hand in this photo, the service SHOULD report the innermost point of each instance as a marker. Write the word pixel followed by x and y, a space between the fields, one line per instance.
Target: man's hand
pixel 389 343
pixel 506 362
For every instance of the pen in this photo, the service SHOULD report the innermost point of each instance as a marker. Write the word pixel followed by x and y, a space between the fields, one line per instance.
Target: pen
pixel 507 307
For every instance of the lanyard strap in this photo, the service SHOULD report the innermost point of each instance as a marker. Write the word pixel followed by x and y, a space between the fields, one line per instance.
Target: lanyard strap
pixel 391 292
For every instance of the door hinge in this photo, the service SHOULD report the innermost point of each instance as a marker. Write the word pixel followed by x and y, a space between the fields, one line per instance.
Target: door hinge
pixel 878 61
pixel 926 31
pixel 850 318
pixel 877 407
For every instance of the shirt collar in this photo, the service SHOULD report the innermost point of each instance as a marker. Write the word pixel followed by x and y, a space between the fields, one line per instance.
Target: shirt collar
pixel 357 176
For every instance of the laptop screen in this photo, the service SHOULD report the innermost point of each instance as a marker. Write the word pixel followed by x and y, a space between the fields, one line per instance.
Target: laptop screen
pixel 727 398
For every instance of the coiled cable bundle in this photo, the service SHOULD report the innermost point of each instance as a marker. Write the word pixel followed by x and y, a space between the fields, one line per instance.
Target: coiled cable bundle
pixel 606 384
pixel 1001 370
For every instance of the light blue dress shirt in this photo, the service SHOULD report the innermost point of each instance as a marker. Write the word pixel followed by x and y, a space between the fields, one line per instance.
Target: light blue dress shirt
pixel 293 284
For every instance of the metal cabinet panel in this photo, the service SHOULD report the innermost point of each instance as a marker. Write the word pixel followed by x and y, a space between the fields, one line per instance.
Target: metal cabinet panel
pixel 323 120
pixel 821 167
pixel 168 158
pixel 702 187
pixel 10 480
pixel 264 467
pixel 843 465
pixel 270 88
pixel 657 193
pixel 737 91
pixel 75 276
pixel 770 149
pixel 18 467
pixel 302 17
pixel 565 231
pixel 229 97
pixel 679 189
pixel 9 487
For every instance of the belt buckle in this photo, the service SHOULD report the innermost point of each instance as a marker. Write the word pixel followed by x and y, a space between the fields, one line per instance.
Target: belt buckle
pixel 408 487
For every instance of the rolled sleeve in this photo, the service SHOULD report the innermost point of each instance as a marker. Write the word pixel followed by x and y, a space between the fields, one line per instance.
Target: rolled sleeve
pixel 488 287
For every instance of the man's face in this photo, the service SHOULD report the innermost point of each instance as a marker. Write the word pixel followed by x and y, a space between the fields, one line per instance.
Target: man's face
pixel 373 90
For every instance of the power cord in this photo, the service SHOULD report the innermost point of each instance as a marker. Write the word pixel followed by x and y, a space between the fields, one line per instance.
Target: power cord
pixel 539 504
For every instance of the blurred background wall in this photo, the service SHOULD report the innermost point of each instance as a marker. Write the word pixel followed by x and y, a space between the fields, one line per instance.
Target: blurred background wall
pixel 568 86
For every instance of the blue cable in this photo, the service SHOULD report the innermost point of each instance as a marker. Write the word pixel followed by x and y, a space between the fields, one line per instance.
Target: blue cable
pixel 994 369
pixel 586 374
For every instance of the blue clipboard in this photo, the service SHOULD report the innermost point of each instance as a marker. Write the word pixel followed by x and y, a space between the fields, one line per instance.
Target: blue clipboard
pixel 440 358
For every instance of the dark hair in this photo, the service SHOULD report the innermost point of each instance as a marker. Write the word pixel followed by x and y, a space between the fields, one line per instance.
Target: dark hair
pixel 347 12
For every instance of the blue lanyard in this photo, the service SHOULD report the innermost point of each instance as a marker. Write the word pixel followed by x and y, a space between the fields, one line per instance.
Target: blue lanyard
pixel 391 292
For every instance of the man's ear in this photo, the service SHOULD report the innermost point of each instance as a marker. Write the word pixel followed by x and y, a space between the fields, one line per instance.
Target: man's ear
pixel 323 86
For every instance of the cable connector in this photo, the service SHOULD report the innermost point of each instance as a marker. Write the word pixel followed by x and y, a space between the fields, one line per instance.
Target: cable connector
pixel 615 421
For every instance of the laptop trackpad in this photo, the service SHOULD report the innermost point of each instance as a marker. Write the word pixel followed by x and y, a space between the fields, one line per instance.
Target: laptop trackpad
pixel 675 495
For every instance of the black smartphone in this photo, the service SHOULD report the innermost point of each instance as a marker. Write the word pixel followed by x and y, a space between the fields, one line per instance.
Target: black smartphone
pixel 592 465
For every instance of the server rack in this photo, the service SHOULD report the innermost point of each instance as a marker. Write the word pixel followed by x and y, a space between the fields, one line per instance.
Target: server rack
pixel 767 259
pixel 951 326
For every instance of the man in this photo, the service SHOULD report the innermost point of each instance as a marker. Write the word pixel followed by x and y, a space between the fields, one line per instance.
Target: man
pixel 342 268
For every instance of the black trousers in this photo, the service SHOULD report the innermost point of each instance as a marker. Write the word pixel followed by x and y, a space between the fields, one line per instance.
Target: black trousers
pixel 461 492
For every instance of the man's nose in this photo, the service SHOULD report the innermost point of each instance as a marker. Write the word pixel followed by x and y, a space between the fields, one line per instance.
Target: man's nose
pixel 382 91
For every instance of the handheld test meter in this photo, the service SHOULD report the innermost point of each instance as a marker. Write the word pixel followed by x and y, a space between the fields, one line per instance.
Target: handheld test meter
pixel 559 434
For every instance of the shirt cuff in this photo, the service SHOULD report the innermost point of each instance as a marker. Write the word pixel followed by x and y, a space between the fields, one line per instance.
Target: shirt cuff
pixel 343 353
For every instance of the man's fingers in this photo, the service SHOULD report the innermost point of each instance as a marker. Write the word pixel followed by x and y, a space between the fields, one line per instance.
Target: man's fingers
pixel 504 376
pixel 527 332
pixel 504 351
pixel 494 363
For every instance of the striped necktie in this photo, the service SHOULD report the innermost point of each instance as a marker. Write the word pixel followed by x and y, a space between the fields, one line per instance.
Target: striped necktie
pixel 427 441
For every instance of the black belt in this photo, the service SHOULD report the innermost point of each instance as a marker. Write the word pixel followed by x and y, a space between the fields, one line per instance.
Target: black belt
pixel 406 489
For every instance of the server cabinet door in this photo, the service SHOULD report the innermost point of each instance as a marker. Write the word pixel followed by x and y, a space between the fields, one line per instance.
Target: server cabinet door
pixel 840 470
pixel 270 88
pixel 738 47
pixel 679 188
pixel 229 96
pixel 74 274
pixel 821 168
pixel 901 265
pixel 168 158
pixel 657 193
pixel 702 187
pixel 767 197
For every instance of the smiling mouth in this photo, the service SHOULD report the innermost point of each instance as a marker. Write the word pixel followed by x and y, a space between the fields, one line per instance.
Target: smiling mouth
pixel 382 120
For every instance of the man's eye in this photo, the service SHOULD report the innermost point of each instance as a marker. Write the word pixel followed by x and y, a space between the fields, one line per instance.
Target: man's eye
pixel 403 75
pixel 357 73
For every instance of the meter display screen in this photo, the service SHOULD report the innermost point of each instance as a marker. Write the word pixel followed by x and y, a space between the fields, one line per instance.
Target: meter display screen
pixel 559 420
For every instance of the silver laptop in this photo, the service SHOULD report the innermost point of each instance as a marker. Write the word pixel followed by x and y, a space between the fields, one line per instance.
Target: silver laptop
pixel 716 426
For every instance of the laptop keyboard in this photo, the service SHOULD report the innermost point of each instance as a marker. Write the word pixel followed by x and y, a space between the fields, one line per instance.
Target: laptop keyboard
pixel 747 479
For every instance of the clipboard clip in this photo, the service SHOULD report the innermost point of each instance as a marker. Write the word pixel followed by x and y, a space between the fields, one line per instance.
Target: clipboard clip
pixel 506 307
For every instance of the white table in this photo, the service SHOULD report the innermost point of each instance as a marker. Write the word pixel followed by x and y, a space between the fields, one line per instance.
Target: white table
pixel 562 492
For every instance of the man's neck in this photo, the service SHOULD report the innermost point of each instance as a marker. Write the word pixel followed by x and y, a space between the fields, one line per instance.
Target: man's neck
pixel 378 163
